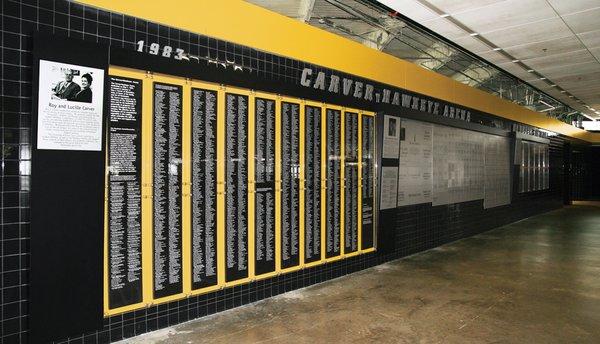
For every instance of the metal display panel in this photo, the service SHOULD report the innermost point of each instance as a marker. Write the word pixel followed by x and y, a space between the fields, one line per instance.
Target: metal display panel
pixel 497 171
pixel 415 170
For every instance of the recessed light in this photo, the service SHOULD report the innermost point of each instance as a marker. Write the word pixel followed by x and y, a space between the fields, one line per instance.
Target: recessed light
pixel 572 97
pixel 563 91
pixel 531 71
pixel 444 15
pixel 496 49
pixel 515 61
pixel 474 34
pixel 542 78
pixel 553 85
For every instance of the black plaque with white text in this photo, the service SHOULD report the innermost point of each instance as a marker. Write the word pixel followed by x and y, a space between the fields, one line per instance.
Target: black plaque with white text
pixel 204 188
pixel 290 184
pixel 350 182
pixel 236 194
pixel 312 192
pixel 264 197
pixel 333 216
pixel 124 192
pixel 368 174
pixel 167 190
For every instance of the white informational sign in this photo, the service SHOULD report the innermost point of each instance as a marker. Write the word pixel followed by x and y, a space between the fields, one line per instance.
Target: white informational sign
pixel 416 163
pixel 70 105
pixel 458 165
pixel 497 171
pixel 389 184
pixel 391 137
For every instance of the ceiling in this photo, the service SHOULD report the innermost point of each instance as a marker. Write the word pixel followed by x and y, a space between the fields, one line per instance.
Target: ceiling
pixel 403 28
pixel 553 45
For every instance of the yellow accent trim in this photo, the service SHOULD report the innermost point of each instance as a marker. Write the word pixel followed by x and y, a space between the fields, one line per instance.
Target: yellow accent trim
pixel 271 32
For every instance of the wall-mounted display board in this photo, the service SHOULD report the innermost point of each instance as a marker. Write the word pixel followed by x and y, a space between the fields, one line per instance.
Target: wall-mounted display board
pixel 534 165
pixel 458 165
pixel 416 163
pixel 264 192
pixel 313 202
pixel 211 186
pixel 203 210
pixel 443 165
pixel 497 171
pixel 390 162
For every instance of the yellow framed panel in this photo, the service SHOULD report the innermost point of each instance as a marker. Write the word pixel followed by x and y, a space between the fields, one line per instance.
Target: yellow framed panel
pixel 301 183
pixel 146 193
pixel 220 113
pixel 185 228
pixel 359 195
pixel 374 184
pixel 322 190
pixel 276 99
pixel 341 176
pixel 249 195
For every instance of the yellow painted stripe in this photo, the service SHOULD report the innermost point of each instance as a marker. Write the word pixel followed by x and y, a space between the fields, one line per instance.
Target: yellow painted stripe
pixel 272 32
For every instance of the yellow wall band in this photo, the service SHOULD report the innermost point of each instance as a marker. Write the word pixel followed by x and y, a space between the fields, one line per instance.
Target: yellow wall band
pixel 244 23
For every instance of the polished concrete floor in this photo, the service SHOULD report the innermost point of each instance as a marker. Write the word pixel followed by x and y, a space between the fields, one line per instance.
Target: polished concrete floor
pixel 535 281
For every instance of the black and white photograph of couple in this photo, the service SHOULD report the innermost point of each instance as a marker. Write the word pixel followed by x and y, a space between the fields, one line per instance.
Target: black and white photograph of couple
pixel 74 86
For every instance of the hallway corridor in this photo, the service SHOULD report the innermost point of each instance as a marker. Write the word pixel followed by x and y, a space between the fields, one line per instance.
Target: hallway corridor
pixel 534 281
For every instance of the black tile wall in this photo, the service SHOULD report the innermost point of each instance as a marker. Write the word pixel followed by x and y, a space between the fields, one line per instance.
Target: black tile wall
pixel 417 227
pixel 585 169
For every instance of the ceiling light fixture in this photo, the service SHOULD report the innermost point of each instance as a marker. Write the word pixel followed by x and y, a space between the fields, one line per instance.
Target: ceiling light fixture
pixel 515 61
pixel 542 78
pixel 444 15
pixel 474 34
pixel 497 49
pixel 530 70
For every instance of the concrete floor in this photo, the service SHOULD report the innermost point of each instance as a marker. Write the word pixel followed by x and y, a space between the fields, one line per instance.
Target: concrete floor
pixel 535 281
